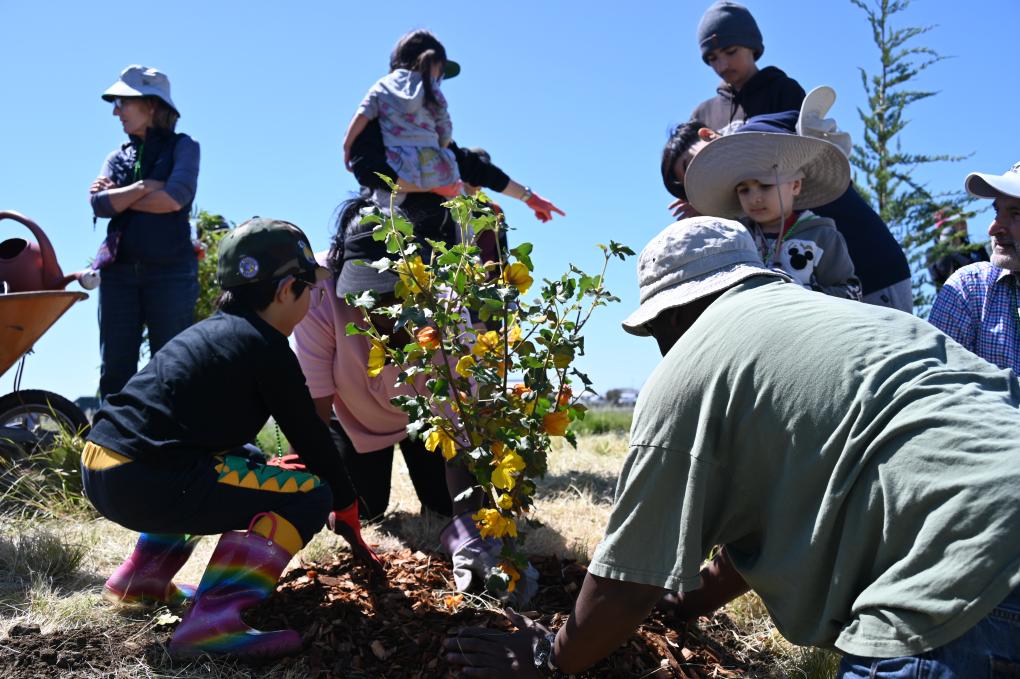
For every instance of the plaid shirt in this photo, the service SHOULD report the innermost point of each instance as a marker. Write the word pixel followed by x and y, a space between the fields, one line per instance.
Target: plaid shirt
pixel 977 307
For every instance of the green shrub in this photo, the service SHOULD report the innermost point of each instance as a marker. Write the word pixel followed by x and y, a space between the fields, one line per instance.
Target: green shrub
pixel 609 421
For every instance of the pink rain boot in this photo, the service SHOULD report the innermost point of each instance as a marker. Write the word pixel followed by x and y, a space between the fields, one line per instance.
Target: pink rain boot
pixel 242 571
pixel 144 579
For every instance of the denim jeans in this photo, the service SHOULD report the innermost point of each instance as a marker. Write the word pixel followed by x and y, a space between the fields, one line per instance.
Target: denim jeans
pixel 990 649
pixel 160 297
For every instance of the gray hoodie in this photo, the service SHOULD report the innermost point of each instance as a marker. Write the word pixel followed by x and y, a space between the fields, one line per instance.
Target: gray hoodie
pixel 814 254
pixel 398 101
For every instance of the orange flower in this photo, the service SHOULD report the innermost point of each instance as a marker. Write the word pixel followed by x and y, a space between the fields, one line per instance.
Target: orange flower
pixel 514 574
pixel 428 338
pixel 566 393
pixel 555 424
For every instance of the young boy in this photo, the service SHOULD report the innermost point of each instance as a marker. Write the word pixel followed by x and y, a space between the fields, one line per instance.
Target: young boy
pixel 772 179
pixel 165 456
pixel 731 44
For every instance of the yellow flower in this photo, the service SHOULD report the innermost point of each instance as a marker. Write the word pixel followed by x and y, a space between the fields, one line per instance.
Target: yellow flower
pixel 505 501
pixel 492 524
pixel 518 276
pixel 504 475
pixel 464 366
pixel 555 424
pixel 376 358
pixel 438 438
pixel 414 276
pixel 488 344
pixel 514 336
pixel 514 574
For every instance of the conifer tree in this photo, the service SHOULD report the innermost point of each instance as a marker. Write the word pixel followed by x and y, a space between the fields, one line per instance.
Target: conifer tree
pixel 887 172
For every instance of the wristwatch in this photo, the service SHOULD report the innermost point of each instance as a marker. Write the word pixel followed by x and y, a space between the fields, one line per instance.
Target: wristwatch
pixel 543 656
pixel 526 196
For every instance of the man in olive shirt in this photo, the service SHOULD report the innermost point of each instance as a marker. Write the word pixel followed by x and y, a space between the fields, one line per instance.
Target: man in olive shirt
pixel 859 466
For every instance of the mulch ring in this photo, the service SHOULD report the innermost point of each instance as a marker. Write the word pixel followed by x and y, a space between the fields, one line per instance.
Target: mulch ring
pixel 392 631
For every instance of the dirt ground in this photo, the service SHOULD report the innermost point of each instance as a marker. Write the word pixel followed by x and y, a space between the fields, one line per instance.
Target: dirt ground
pixel 390 631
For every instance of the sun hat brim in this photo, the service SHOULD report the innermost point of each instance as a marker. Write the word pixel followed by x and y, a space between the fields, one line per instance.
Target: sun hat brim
pixel 122 89
pixel 356 278
pixel 692 290
pixel 984 185
pixel 714 173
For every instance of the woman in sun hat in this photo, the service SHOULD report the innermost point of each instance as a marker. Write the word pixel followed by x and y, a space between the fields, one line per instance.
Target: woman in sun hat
pixel 772 179
pixel 145 188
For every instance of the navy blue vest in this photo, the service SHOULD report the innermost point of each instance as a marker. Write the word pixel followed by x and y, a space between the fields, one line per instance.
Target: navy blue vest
pixel 146 237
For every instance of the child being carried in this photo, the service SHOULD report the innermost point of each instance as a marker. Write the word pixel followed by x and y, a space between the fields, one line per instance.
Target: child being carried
pixel 413 116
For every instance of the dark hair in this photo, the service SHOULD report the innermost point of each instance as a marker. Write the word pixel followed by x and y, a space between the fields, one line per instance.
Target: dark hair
pixel 680 141
pixel 255 296
pixel 419 51
pixel 163 116
pixel 348 223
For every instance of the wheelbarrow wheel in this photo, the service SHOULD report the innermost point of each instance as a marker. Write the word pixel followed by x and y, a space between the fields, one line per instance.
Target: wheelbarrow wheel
pixel 33 418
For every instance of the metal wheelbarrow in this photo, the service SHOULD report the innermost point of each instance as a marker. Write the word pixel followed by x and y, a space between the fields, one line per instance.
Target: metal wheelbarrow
pixel 32 299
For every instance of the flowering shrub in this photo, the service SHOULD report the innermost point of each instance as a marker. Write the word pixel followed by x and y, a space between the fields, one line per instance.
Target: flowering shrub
pixel 462 328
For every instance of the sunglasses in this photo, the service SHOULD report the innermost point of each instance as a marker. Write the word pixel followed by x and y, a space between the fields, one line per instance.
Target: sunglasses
pixel 119 102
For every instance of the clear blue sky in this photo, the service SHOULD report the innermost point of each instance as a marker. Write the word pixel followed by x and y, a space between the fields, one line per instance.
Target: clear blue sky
pixel 572 99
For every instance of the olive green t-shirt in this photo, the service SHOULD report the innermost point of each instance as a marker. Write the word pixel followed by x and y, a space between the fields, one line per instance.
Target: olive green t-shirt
pixel 862 468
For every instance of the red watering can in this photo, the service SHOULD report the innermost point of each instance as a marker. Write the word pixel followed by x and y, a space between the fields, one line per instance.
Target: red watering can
pixel 27 266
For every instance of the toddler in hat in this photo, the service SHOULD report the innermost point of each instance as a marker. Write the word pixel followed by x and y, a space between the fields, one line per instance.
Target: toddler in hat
pixel 772 180
pixel 412 113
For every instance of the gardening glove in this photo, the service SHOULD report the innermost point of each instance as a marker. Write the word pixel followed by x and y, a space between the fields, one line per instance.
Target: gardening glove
pixel 290 462
pixel 543 208
pixel 250 452
pixel 347 524
pixel 473 557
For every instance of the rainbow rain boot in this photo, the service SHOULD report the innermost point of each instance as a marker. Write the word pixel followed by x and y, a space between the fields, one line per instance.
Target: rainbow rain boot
pixel 144 579
pixel 242 571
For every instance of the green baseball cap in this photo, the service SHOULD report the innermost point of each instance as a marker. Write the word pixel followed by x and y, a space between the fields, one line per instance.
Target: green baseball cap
pixel 266 249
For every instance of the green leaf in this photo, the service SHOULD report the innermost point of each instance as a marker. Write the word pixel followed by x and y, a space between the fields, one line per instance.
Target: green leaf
pixel 523 254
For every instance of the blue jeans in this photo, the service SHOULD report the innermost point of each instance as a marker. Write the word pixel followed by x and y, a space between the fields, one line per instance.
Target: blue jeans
pixel 160 297
pixel 990 649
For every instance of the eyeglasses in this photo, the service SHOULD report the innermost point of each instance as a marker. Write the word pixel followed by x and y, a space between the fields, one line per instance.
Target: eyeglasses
pixel 119 102
pixel 300 284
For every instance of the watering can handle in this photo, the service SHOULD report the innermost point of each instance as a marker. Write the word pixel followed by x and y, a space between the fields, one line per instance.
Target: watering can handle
pixel 53 277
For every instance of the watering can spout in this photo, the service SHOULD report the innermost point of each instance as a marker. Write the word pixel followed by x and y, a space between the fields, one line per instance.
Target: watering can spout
pixel 28 266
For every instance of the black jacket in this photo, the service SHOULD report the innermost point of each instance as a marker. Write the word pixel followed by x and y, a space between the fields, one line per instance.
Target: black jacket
pixel 211 389
pixel 768 91
pixel 368 156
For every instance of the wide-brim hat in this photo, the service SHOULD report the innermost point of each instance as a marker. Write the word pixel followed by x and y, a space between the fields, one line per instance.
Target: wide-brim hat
pixel 691 259
pixel 141 81
pixel 994 185
pixel 768 157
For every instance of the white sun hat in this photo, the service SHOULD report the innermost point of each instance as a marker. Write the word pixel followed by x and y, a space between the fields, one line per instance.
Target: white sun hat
pixel 994 185
pixel 692 259
pixel 812 121
pixel 141 81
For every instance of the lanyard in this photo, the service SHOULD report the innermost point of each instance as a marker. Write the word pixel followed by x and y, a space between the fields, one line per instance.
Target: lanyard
pixel 771 254
pixel 138 161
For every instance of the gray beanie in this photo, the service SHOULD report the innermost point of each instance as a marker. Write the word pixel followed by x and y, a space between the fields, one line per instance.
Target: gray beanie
pixel 725 24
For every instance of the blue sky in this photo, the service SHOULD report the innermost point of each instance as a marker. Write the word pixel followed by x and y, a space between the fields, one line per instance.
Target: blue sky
pixel 573 103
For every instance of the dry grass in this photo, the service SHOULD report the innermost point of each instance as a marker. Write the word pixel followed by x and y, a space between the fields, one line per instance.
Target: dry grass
pixel 52 570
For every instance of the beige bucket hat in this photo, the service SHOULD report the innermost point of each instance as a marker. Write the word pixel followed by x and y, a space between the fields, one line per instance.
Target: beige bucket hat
pixel 691 259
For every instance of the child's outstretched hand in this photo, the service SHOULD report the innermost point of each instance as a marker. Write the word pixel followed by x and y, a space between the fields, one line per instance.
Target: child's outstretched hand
pixel 681 209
